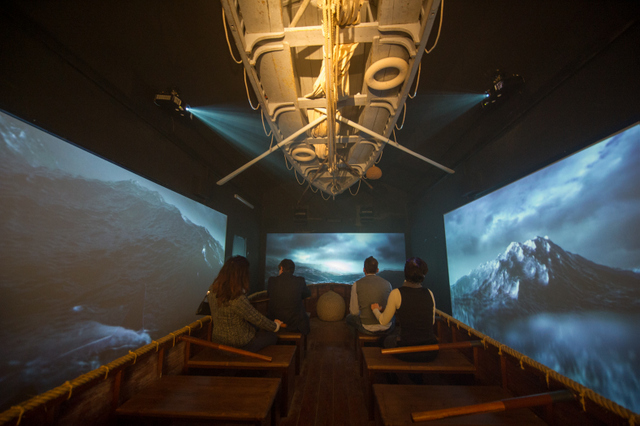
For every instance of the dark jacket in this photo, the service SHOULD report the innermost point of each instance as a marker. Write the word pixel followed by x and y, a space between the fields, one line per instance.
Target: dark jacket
pixel 286 293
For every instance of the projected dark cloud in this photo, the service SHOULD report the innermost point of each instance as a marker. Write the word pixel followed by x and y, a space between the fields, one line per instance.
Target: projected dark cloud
pixel 340 253
pixel 588 203
pixel 43 150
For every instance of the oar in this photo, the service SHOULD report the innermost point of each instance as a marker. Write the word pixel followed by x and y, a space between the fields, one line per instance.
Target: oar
pixel 495 406
pixel 225 348
pixel 427 348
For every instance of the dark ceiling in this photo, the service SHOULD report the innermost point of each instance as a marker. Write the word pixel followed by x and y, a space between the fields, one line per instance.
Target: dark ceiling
pixel 133 50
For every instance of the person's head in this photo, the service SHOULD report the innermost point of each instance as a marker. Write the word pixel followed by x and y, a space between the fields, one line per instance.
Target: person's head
pixel 232 280
pixel 370 265
pixel 287 265
pixel 415 269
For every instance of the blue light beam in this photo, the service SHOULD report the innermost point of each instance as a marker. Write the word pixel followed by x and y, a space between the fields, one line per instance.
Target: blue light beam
pixel 437 110
pixel 240 128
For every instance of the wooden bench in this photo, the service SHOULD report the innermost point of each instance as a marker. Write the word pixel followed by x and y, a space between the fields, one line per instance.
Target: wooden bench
pixel 298 339
pixel 282 365
pixel 362 340
pixel 244 400
pixel 448 362
pixel 395 404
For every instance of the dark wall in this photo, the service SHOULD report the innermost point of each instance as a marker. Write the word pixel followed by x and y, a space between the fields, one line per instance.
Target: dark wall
pixel 46 85
pixel 599 97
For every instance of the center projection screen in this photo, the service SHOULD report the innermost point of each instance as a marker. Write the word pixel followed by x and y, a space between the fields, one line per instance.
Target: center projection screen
pixel 94 261
pixel 339 257
pixel 550 266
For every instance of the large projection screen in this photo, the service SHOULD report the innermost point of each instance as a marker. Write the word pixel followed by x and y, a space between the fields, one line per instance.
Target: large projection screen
pixel 94 260
pixel 550 266
pixel 338 257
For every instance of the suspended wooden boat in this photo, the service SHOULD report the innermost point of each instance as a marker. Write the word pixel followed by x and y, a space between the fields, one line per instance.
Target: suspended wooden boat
pixel 331 77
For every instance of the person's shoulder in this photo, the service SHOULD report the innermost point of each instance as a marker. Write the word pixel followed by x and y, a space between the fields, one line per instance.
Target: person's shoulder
pixel 241 300
pixel 382 280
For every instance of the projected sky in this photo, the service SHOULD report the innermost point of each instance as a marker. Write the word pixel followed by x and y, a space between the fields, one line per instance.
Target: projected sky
pixel 337 253
pixel 589 204
pixel 94 260
pixel 52 153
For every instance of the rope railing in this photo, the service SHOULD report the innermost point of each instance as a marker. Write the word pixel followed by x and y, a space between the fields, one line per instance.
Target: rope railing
pixel 65 391
pixel 582 391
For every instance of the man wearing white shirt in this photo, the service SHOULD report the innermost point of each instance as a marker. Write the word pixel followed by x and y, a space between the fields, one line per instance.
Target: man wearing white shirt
pixel 364 292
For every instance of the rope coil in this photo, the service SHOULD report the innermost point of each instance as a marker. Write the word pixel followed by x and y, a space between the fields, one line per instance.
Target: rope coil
pixel 135 356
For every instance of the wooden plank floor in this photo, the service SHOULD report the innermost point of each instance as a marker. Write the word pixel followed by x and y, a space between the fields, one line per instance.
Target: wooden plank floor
pixel 329 390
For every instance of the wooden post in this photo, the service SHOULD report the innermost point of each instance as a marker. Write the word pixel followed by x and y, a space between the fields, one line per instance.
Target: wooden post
pixel 495 406
pixel 225 348
pixel 427 348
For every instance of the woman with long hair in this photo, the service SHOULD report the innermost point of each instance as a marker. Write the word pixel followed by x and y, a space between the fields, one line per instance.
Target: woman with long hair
pixel 235 321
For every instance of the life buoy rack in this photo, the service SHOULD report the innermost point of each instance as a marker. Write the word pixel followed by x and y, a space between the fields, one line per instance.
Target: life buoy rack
pixel 401 65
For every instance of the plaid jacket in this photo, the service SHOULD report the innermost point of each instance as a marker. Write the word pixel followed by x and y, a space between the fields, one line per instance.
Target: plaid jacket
pixel 233 325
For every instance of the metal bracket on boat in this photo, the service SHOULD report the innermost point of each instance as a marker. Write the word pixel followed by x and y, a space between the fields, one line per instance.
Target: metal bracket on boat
pixel 266 48
pixel 276 109
pixel 255 38
pixel 401 41
pixel 383 103
pixel 412 29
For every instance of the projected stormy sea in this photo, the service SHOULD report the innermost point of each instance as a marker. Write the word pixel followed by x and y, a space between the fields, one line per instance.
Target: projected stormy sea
pixel 90 269
pixel 576 317
pixel 316 276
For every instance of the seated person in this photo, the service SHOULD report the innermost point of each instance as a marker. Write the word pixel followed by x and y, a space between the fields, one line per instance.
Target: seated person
pixel 235 321
pixel 364 292
pixel 286 293
pixel 416 310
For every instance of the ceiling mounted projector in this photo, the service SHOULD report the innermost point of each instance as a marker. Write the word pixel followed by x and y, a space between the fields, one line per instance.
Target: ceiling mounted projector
pixel 172 102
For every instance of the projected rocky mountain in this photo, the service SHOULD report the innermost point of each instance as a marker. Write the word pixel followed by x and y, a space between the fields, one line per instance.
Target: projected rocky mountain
pixel 573 315
pixel 537 276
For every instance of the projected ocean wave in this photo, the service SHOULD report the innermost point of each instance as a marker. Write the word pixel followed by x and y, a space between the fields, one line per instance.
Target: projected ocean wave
pixel 90 269
pixel 568 313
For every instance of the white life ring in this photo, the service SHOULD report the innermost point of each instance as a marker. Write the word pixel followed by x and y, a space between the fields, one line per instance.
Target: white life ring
pixel 401 65
pixel 303 154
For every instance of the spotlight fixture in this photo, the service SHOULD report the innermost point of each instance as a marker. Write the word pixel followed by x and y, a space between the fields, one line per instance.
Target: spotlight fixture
pixel 503 85
pixel 172 102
